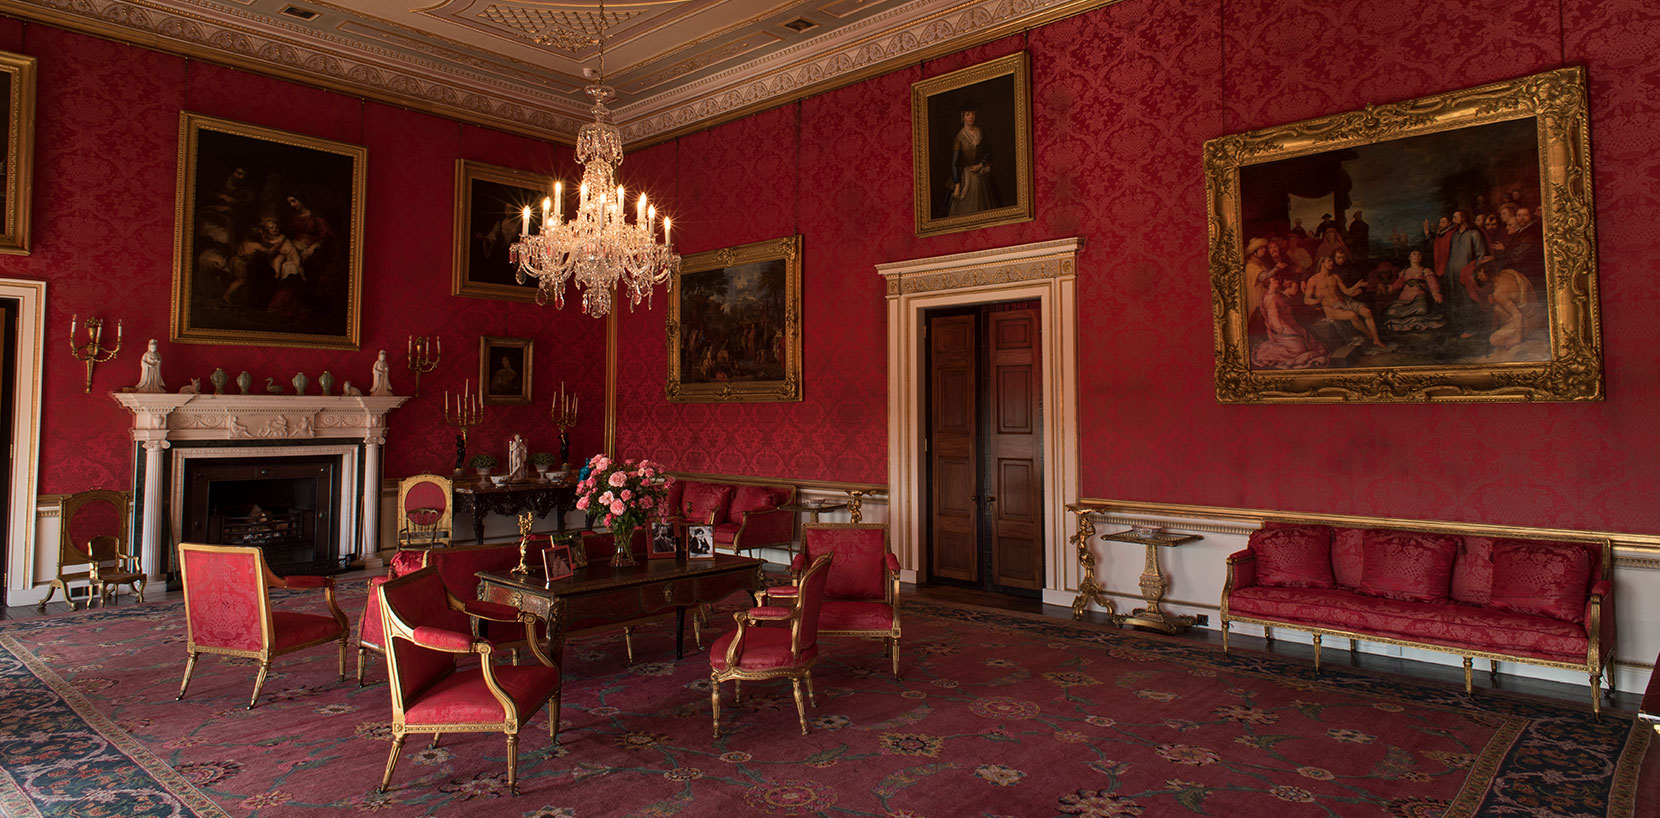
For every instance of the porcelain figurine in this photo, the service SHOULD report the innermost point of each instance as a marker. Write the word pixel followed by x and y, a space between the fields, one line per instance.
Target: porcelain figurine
pixel 149 376
pixel 300 381
pixel 350 391
pixel 218 381
pixel 245 382
pixel 381 386
pixel 195 387
pixel 272 387
pixel 325 382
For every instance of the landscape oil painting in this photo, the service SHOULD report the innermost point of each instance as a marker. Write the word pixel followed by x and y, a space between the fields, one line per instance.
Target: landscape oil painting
pixel 1404 254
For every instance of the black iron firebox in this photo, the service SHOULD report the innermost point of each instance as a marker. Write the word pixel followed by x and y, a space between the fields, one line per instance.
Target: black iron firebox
pixel 285 506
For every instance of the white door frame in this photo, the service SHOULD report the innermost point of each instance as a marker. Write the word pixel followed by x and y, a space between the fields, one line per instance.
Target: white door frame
pixel 1045 272
pixel 27 355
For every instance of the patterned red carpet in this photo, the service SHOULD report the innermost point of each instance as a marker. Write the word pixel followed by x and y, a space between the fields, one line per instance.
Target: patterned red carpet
pixel 997 714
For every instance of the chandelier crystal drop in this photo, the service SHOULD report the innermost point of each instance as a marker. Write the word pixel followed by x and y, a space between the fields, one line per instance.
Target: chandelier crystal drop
pixel 597 248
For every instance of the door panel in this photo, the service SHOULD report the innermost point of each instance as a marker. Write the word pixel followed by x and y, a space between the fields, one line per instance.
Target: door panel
pixel 1014 445
pixel 954 451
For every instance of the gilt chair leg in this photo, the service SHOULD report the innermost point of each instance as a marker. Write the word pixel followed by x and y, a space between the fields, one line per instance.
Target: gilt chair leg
pixel 513 763
pixel 259 682
pixel 800 705
pixel 189 667
pixel 811 698
pixel 697 633
pixel 1596 695
pixel 1224 637
pixel 1468 688
pixel 1493 671
pixel 392 761
pixel 553 719
pixel 628 642
pixel 50 590
pixel 738 690
pixel 1317 654
pixel 714 702
pixel 1268 634
pixel 361 652
pixel 343 649
pixel 435 738
pixel 893 651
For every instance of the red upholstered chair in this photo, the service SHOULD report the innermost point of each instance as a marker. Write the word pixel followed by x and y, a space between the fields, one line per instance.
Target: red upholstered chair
pixel 773 642
pixel 861 597
pixel 425 510
pixel 431 695
pixel 458 567
pixel 227 610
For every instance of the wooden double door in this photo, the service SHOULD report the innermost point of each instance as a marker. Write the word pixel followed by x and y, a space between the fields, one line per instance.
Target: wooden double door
pixel 984 447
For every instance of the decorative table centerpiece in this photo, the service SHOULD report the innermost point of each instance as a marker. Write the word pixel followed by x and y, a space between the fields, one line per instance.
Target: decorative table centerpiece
pixel 543 461
pixel 484 463
pixel 626 493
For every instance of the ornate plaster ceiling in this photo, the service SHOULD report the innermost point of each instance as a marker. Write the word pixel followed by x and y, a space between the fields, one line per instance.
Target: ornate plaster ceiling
pixel 677 65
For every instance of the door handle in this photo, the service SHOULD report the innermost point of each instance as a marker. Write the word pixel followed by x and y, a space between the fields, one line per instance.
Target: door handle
pixel 990 499
pixel 974 498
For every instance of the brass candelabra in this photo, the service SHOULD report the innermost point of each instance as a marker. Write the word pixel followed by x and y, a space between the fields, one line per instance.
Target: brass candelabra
pixel 93 352
pixel 469 410
pixel 524 544
pixel 424 353
pixel 563 414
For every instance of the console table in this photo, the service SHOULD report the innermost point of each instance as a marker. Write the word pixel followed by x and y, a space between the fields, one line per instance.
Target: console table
pixel 598 595
pixel 481 499
pixel 1153 580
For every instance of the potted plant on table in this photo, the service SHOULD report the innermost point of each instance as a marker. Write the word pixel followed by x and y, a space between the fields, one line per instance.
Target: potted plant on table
pixel 543 461
pixel 625 493
pixel 484 463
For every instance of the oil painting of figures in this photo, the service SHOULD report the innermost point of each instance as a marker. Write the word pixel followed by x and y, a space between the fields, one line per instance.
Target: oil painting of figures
pixel 1426 250
pixel 733 323
pixel 269 246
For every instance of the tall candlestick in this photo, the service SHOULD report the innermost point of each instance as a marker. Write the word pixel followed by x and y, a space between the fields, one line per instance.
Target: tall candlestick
pixel 559 201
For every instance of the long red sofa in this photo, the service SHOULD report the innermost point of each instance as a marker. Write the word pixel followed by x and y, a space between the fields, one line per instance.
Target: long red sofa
pixel 1542 602
pixel 745 515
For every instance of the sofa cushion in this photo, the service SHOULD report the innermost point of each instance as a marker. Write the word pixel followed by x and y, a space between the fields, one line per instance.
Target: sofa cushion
pixel 1414 566
pixel 1293 556
pixel 750 498
pixel 1444 624
pixel 1541 578
pixel 1472 575
pixel 1348 556
pixel 705 502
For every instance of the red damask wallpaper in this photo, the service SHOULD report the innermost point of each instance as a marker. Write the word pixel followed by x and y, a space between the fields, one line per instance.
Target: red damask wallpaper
pixel 106 161
pixel 1123 99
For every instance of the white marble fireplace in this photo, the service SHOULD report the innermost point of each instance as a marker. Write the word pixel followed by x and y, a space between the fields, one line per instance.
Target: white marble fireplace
pixel 254 426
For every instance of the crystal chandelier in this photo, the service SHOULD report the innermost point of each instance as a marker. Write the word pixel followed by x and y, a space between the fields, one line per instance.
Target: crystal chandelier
pixel 597 247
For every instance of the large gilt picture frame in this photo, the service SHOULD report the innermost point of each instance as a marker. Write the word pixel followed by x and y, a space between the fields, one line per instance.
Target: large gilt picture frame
pixel 734 325
pixel 971 147
pixel 489 207
pixel 17 93
pixel 1438 249
pixel 268 243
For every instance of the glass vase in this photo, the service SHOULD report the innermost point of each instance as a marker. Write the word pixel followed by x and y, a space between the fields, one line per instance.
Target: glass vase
pixel 623 538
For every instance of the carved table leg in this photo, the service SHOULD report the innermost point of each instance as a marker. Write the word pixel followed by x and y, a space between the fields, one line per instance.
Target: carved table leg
pixel 1089 590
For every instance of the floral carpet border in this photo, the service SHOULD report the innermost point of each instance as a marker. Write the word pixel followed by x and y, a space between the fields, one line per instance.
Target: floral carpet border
pixel 78 763
pixel 1526 763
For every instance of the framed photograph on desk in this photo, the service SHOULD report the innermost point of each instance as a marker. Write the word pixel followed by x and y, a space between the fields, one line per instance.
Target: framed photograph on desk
pixel 556 562
pixel 664 545
pixel 700 542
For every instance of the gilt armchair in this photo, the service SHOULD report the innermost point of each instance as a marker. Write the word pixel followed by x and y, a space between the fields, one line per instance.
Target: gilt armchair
pixel 458 567
pixel 92 548
pixel 431 695
pixel 227 610
pixel 773 642
pixel 861 597
pixel 426 510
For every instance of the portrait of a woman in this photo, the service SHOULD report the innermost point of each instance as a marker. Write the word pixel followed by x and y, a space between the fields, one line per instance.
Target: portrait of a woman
pixel 973 187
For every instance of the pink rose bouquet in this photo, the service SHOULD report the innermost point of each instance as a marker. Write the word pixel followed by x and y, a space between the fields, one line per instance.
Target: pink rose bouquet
pixel 624 494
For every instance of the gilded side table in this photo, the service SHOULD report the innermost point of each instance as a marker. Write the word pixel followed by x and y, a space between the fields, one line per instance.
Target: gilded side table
pixel 1153 581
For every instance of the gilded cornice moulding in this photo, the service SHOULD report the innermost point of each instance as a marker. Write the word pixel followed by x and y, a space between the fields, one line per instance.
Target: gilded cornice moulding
pixel 429 75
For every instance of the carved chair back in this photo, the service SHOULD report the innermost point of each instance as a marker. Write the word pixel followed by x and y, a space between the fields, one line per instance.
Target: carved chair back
pixel 861 558
pixel 406 603
pixel 811 597
pixel 425 509
pixel 226 598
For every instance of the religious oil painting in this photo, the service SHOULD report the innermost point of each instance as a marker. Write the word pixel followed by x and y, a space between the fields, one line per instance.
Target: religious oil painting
pixel 489 216
pixel 1440 249
pixel 17 94
pixel 504 369
pixel 269 227
pixel 734 325
pixel 971 147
